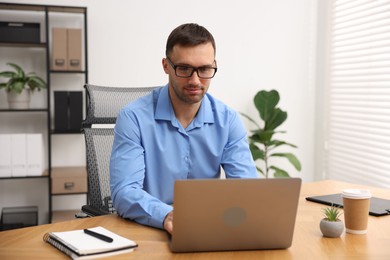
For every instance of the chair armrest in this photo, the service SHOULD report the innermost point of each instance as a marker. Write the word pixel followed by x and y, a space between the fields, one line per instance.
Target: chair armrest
pixel 93 211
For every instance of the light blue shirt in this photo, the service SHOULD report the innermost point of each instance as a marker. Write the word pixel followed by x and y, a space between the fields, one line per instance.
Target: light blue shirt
pixel 151 150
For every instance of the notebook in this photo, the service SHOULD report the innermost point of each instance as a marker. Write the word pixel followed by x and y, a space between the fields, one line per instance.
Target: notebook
pixel 234 214
pixel 378 206
pixel 79 245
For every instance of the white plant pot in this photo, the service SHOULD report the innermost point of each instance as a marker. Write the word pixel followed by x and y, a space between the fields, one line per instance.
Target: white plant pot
pixel 19 101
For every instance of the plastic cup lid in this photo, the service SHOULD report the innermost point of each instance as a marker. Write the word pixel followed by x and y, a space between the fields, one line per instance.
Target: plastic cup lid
pixel 356 194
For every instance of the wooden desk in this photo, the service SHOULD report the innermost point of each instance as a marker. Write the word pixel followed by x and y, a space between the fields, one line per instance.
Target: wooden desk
pixel 308 243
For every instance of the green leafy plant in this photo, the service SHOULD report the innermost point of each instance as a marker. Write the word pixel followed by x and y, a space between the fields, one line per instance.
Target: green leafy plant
pixel 331 213
pixel 262 143
pixel 19 80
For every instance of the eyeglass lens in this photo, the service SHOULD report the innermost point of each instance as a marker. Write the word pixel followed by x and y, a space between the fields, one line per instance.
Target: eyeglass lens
pixel 187 71
pixel 203 72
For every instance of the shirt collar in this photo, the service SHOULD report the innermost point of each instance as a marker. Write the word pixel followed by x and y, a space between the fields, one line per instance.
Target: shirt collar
pixel 164 109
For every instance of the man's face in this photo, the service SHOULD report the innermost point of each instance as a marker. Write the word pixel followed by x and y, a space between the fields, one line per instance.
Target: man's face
pixel 189 90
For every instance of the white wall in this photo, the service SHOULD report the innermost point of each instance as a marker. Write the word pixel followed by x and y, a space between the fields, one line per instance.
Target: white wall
pixel 260 45
pixel 268 44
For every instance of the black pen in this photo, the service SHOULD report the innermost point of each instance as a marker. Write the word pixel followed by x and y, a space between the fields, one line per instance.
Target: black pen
pixel 99 236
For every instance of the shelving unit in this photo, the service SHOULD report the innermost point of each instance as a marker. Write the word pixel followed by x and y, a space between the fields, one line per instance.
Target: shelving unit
pixel 49 16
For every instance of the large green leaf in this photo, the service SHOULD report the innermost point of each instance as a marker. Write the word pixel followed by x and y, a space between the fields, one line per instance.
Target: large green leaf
pixel 291 158
pixel 279 173
pixel 19 70
pixel 18 86
pixel 277 143
pixel 261 136
pixel 7 74
pixel 36 82
pixel 277 118
pixel 257 153
pixel 265 103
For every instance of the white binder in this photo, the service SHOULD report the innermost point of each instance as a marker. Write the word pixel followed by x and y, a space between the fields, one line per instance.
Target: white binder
pixel 5 155
pixel 34 154
pixel 18 155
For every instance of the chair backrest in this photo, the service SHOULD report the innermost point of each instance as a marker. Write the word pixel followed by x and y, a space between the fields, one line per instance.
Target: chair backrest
pixel 103 105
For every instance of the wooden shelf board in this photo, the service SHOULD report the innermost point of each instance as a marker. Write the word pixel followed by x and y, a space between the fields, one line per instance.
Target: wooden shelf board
pixel 69 171
pixel 63 215
pixel 42 8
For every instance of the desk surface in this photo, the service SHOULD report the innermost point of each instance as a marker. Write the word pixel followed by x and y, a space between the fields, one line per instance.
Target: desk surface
pixel 308 242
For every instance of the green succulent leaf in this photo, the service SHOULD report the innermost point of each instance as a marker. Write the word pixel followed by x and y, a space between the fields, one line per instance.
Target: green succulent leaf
pixel 331 213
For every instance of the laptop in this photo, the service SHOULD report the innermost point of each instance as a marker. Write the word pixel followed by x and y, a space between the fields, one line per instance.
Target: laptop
pixel 378 206
pixel 234 214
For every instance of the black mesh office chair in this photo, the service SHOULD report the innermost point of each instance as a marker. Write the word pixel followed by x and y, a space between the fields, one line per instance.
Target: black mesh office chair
pixel 103 105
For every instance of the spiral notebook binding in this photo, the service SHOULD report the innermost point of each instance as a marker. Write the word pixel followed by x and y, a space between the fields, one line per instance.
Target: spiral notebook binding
pixel 63 248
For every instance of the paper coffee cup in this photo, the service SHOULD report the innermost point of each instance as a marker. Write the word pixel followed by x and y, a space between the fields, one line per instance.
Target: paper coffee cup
pixel 356 210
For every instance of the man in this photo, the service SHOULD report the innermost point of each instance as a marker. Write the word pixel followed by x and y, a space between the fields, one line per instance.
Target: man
pixel 179 131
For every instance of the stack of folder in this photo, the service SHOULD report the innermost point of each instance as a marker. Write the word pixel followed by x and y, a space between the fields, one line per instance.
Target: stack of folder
pixel 21 155
pixel 66 49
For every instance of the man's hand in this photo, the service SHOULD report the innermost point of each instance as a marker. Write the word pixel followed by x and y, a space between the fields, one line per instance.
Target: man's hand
pixel 168 222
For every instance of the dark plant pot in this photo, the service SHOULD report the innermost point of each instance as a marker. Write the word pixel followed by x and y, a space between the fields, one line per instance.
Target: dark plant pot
pixel 331 228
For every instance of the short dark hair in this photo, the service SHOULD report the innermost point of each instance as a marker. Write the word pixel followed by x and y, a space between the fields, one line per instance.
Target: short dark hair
pixel 189 34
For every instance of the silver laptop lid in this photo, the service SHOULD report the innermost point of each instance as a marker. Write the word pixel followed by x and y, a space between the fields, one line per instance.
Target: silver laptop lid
pixel 234 214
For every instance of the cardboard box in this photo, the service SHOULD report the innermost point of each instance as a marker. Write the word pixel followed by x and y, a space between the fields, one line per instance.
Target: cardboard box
pixel 65 180
pixel 59 49
pixel 74 49
pixel 66 49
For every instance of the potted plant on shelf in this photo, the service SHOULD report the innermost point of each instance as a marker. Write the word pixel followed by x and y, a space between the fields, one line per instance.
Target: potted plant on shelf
pixel 20 85
pixel 331 225
pixel 262 142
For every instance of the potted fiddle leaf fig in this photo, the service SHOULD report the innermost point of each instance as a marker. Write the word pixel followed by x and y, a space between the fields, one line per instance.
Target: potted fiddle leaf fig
pixel 331 225
pixel 20 85
pixel 262 141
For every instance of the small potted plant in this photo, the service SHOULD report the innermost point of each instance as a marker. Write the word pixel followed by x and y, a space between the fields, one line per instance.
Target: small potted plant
pixel 19 86
pixel 331 225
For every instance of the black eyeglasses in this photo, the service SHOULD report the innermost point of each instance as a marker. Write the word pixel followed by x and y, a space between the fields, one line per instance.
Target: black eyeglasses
pixel 205 72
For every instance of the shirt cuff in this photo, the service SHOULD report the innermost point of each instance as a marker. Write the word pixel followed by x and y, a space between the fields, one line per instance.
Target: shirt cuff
pixel 161 213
